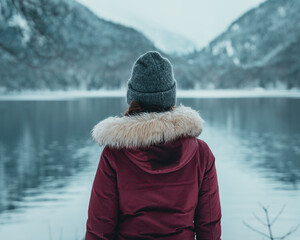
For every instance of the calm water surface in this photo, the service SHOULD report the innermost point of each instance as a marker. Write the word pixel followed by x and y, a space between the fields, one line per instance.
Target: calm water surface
pixel 48 162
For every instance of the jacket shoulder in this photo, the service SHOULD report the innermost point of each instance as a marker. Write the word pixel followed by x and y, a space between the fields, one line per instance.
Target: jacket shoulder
pixel 205 152
pixel 110 154
pixel 110 151
pixel 203 145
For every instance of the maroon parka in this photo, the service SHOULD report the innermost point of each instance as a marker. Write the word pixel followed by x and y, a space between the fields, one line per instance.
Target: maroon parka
pixel 155 179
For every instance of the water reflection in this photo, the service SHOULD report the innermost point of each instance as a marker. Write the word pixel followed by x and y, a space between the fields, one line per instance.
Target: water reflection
pixel 40 144
pixel 267 128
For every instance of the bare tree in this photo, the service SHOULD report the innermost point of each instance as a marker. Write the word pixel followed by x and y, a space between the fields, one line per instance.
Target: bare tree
pixel 268 223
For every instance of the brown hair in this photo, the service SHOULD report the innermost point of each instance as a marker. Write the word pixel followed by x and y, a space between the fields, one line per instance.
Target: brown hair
pixel 136 107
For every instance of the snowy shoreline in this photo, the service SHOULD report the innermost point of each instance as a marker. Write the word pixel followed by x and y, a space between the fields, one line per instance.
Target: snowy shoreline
pixel 74 94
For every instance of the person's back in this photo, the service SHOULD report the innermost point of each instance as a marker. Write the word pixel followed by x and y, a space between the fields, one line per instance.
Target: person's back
pixel 155 179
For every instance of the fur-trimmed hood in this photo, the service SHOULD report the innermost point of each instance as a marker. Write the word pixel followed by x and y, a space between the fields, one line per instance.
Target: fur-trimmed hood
pixel 145 129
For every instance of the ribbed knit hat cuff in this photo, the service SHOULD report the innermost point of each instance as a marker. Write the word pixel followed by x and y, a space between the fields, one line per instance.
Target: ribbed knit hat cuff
pixel 164 98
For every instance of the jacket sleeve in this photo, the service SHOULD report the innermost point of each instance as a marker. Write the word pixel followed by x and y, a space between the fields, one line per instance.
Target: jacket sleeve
pixel 103 206
pixel 208 211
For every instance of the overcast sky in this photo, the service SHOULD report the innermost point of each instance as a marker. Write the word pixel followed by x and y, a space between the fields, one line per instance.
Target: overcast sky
pixel 197 20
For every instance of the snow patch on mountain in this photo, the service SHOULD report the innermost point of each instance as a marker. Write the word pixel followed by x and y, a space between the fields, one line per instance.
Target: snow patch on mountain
pixel 221 46
pixel 281 11
pixel 235 27
pixel 18 21
pixel 236 61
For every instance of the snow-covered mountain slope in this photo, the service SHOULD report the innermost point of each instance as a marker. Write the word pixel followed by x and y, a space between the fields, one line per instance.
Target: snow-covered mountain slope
pixel 167 41
pixel 260 49
pixel 88 52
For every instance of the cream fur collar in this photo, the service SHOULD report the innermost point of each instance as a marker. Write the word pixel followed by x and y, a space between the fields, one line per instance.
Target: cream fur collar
pixel 145 129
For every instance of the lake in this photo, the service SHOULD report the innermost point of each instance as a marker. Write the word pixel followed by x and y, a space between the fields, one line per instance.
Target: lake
pixel 48 162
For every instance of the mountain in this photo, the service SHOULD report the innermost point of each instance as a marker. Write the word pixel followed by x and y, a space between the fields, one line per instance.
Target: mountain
pixel 63 45
pixel 68 47
pixel 164 39
pixel 170 42
pixel 260 49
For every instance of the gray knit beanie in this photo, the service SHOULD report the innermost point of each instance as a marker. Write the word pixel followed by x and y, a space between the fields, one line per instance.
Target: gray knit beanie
pixel 152 81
